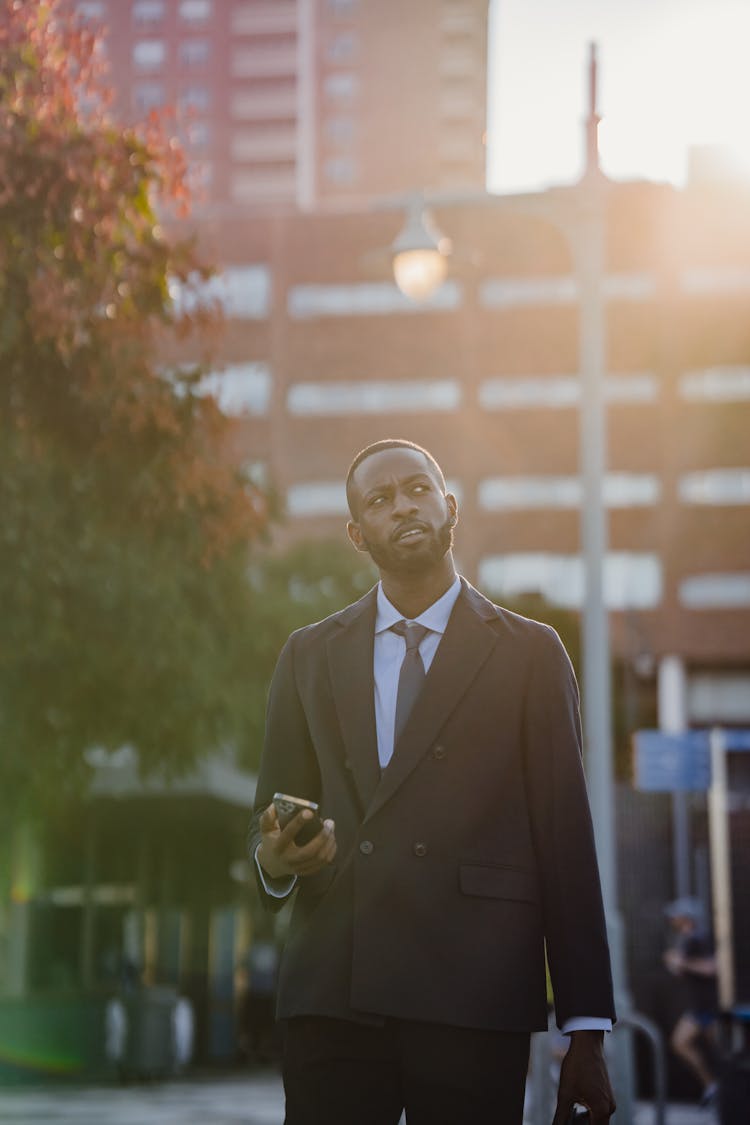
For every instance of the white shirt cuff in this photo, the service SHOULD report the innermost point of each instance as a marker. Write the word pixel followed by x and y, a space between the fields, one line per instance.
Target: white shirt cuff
pixel 281 889
pixel 586 1023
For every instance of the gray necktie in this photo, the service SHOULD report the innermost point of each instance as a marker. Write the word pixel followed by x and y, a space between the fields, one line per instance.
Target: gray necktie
pixel 412 675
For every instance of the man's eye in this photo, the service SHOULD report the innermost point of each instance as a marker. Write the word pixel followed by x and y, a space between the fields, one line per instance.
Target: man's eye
pixel 421 488
pixel 375 500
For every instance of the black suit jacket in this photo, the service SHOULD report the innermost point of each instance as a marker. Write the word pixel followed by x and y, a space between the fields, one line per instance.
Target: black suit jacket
pixel 471 850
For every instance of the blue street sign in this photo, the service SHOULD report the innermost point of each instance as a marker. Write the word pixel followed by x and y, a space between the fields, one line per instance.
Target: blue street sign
pixel 736 739
pixel 670 762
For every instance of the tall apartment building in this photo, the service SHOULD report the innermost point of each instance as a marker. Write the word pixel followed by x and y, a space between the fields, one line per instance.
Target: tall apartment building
pixel 307 102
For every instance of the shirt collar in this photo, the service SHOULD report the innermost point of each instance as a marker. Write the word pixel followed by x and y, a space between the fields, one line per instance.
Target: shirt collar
pixel 435 617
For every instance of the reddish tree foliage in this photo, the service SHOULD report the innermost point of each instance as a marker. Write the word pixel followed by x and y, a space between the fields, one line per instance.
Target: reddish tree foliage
pixel 125 526
pixel 86 273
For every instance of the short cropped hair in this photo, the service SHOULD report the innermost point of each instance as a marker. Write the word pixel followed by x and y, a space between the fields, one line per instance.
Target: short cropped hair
pixel 377 447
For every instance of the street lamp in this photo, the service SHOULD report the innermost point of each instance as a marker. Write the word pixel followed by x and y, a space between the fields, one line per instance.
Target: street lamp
pixel 419 254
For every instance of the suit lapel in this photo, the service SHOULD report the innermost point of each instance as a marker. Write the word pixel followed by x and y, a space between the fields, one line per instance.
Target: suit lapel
pixel 350 657
pixel 465 646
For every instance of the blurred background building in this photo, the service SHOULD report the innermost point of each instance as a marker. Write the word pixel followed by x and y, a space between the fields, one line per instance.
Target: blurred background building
pixel 308 102
pixel 305 121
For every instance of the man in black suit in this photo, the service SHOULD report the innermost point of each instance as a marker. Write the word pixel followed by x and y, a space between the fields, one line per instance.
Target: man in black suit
pixel 457 843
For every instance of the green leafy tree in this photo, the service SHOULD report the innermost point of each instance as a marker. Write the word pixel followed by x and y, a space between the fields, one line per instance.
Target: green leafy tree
pixel 125 528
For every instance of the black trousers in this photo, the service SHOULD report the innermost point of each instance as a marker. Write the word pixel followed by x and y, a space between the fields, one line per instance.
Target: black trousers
pixel 338 1072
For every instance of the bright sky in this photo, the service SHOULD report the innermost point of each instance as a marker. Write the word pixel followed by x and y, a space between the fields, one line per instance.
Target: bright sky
pixel 671 73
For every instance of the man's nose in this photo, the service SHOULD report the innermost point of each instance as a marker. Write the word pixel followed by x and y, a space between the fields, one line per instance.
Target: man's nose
pixel 403 504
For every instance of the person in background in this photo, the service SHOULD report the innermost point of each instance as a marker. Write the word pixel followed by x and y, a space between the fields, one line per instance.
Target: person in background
pixel 690 957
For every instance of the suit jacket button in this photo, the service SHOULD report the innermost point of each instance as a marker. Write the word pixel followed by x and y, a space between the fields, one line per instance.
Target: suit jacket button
pixel 367 847
pixel 420 849
pixel 439 752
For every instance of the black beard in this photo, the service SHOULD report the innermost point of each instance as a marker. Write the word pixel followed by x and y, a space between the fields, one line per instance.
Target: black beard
pixel 436 546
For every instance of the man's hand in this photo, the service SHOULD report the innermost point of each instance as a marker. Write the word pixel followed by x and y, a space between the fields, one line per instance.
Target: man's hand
pixel 584 1079
pixel 278 854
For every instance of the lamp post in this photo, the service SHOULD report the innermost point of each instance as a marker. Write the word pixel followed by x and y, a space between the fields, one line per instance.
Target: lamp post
pixel 579 213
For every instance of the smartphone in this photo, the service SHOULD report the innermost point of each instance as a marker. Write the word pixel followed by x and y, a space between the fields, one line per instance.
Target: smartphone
pixel 288 807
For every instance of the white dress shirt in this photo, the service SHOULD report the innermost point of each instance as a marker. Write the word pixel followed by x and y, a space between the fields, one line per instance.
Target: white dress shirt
pixel 389 652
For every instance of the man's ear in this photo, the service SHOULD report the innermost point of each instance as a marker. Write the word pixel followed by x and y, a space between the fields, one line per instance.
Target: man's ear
pixel 355 536
pixel 452 503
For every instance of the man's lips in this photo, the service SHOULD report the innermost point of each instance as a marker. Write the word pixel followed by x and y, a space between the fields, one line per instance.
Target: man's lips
pixel 410 531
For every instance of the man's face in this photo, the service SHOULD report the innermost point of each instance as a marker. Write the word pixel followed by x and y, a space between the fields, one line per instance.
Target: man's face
pixel 402 517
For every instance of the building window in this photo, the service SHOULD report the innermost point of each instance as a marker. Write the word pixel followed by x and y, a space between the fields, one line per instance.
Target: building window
pixel 148 96
pixel 715 280
pixel 148 11
pixel 458 22
pixel 200 175
pixel 629 286
pixel 517 292
pixel 342 86
pixel 631 580
pixel 631 490
pixel 256 472
pixel 342 47
pixel 509 292
pixel 637 387
pixel 716 486
pixel 458 104
pixel 149 54
pixel 620 490
pixel 367 299
pixel 716 591
pixel 501 493
pixel 386 397
pixel 457 145
pixel 719 697
pixel 195 11
pixel 198 135
pixel 195 99
pixel 457 62
pixel 716 384
pixel 317 498
pixel 242 293
pixel 194 52
pixel 90 9
pixel 340 130
pixel 340 170
pixel 528 392
pixel 241 388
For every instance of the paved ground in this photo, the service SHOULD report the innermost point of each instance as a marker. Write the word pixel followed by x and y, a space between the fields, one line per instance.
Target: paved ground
pixel 256 1100
pixel 253 1100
